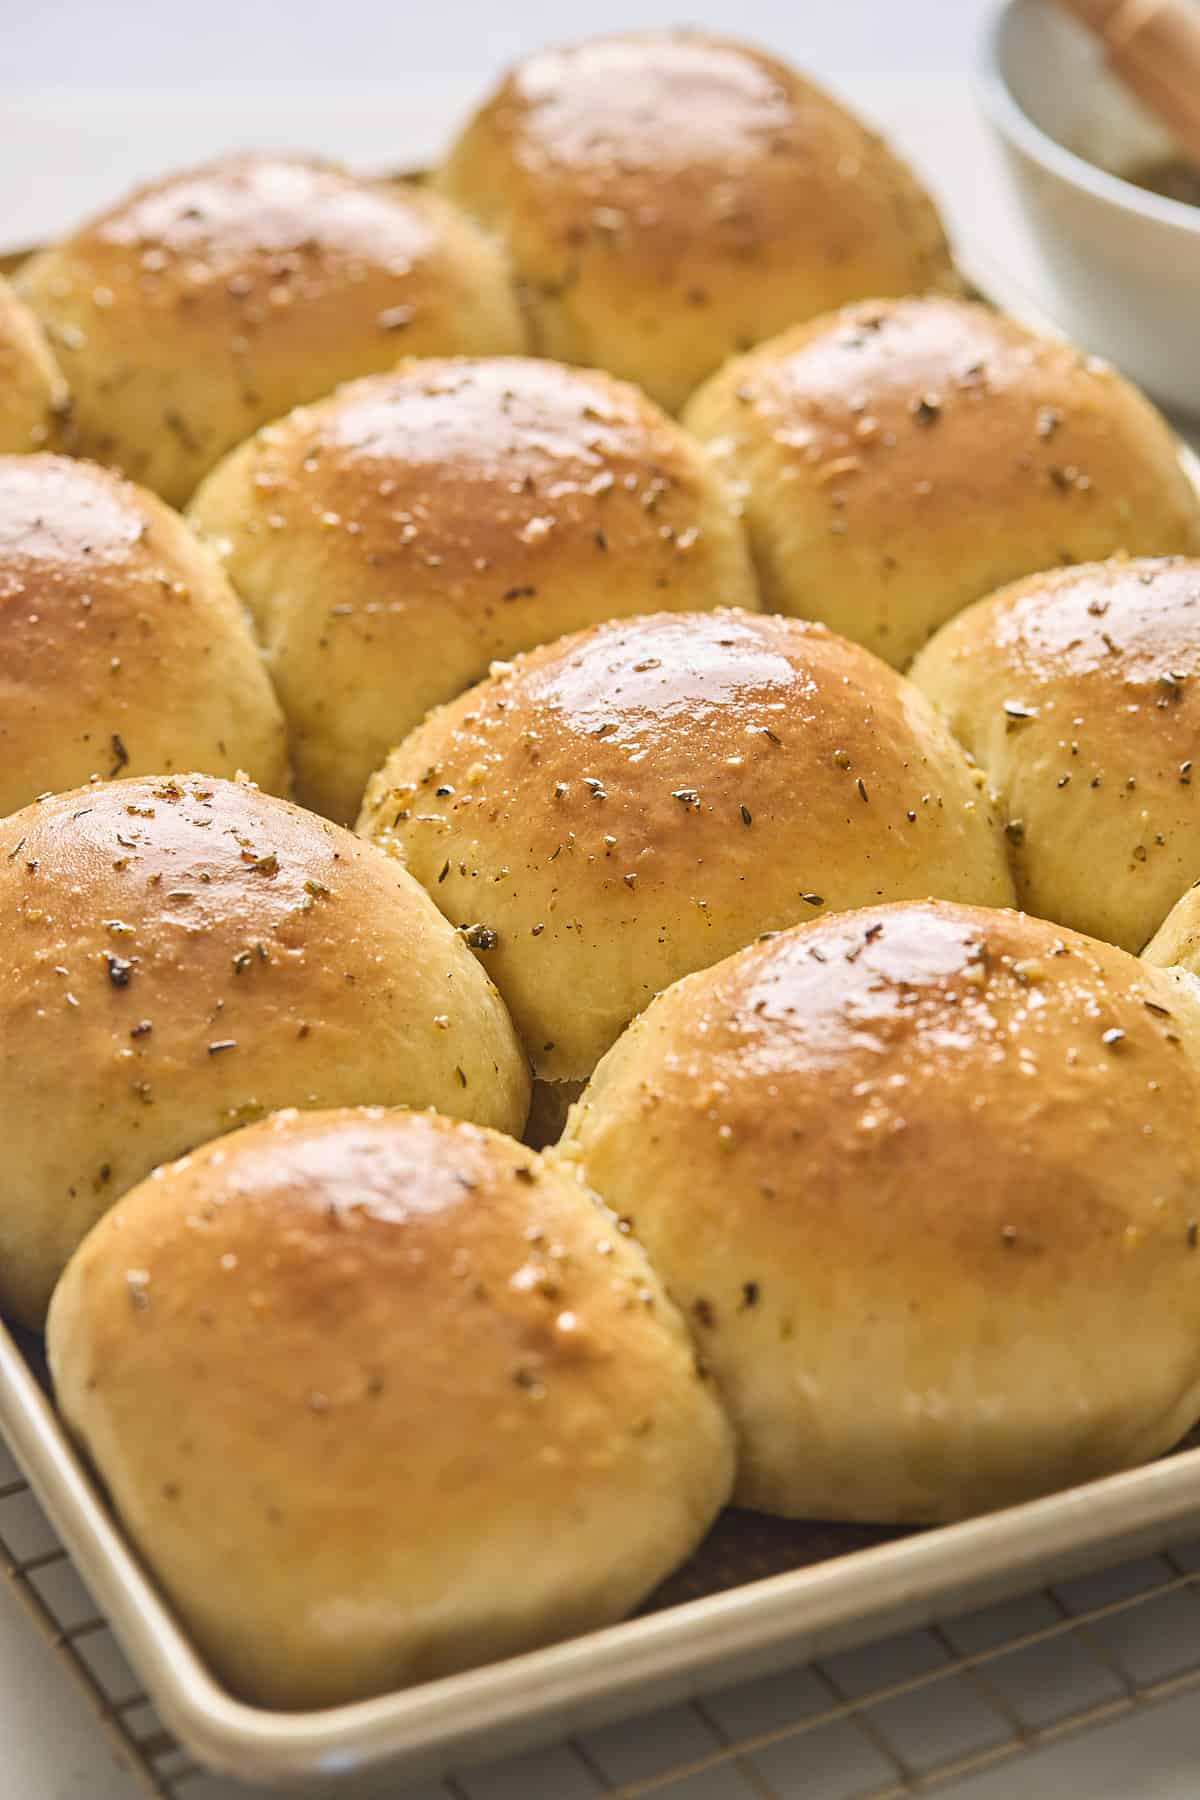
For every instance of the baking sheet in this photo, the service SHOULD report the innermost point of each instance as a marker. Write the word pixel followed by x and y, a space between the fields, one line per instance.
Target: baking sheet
pixel 760 1594
pixel 856 1585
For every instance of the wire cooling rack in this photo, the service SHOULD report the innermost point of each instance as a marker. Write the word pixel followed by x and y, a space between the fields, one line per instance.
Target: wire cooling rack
pixel 904 1717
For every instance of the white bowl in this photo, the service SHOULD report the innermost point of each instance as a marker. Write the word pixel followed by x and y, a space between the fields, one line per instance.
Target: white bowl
pixel 1125 263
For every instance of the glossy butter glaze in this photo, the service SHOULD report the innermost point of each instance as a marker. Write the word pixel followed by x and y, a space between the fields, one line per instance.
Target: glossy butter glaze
pixel 901 459
pixel 394 540
pixel 924 1177
pixel 406 1318
pixel 1079 692
pixel 669 198
pixel 123 650
pixel 638 800
pixel 181 956
pixel 210 301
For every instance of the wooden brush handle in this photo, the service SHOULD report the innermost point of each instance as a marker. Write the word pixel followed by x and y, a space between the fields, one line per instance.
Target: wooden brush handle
pixel 1154 46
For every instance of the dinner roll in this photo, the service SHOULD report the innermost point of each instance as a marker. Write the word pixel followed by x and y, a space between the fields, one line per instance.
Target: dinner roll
pixel 640 799
pixel 903 458
pixel 394 540
pixel 1176 943
pixel 212 300
pixel 925 1179
pixel 668 198
pixel 123 650
pixel 1079 693
pixel 182 956
pixel 379 1397
pixel 33 394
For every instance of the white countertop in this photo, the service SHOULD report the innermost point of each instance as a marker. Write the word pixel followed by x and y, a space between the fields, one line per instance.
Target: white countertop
pixel 109 94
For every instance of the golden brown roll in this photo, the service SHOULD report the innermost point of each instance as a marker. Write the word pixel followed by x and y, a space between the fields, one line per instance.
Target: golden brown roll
pixel 392 541
pixel 379 1397
pixel 182 956
pixel 903 458
pixel 1079 692
pixel 638 800
pixel 210 301
pixel 1176 943
pixel 925 1179
pixel 33 394
pixel 668 198
pixel 123 650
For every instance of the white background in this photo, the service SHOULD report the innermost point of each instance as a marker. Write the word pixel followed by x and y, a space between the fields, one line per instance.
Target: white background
pixel 84 44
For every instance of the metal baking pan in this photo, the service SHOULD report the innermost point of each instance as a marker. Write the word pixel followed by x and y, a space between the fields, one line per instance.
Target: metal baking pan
pixel 855 1585
pixel 760 1594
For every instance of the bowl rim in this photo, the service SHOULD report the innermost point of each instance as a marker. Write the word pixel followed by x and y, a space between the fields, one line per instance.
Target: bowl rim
pixel 1009 117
